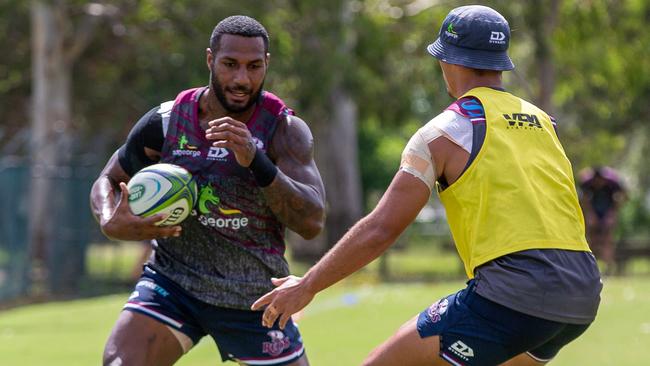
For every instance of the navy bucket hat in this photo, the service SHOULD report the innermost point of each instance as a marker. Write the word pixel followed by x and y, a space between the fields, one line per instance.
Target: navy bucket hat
pixel 474 36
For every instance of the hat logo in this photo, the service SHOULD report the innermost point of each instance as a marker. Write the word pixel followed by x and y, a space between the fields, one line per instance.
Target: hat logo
pixel 497 37
pixel 450 32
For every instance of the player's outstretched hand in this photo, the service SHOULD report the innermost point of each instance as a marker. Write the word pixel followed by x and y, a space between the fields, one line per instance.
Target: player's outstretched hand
pixel 289 297
pixel 234 135
pixel 124 225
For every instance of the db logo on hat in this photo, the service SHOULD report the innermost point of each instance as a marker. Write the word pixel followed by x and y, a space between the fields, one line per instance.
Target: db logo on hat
pixel 474 36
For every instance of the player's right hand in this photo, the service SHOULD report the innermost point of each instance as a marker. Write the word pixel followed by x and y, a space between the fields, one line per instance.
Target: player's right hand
pixel 124 225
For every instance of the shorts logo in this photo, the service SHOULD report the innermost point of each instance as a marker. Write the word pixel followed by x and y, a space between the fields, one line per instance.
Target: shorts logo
pixel 152 286
pixel 438 309
pixel 279 342
pixel 461 350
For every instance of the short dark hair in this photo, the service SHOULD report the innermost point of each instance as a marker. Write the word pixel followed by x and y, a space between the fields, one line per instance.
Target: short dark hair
pixel 239 25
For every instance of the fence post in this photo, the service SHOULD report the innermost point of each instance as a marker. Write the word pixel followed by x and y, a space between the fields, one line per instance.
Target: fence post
pixel 14 215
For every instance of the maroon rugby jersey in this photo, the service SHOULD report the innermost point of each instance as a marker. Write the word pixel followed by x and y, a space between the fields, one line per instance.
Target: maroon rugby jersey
pixel 232 243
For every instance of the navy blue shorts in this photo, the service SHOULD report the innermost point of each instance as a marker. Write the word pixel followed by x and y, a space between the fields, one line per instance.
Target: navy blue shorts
pixel 239 334
pixel 476 331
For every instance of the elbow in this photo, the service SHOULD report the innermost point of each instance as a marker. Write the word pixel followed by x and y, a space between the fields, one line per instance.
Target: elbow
pixel 312 231
pixel 313 225
pixel 310 234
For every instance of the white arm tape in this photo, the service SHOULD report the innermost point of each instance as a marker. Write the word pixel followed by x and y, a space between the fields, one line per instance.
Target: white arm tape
pixel 417 159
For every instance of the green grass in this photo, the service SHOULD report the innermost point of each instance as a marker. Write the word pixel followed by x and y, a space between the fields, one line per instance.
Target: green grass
pixel 340 327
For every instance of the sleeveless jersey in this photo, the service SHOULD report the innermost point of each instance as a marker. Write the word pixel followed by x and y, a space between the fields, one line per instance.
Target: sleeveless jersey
pixel 519 192
pixel 232 243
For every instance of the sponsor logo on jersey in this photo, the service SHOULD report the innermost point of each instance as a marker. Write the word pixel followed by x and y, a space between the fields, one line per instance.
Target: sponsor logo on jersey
pixel 258 143
pixel 523 121
pixel 209 203
pixel 185 149
pixel 217 153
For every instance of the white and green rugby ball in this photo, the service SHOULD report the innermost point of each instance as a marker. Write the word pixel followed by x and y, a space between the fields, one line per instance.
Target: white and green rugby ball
pixel 163 188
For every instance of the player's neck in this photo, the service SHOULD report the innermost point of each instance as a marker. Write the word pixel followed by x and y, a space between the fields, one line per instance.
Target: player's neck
pixel 489 81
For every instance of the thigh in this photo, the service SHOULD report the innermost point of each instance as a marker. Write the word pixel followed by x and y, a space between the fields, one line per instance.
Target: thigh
pixel 523 359
pixel 549 349
pixel 407 348
pixel 137 339
pixel 544 353
pixel 302 361
pixel 241 337
pixel 162 300
pixel 475 331
pixel 156 326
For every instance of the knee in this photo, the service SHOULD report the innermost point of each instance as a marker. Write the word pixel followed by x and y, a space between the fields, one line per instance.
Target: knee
pixel 114 357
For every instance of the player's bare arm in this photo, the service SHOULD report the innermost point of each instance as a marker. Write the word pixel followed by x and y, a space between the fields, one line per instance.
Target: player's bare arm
pixel 296 195
pixel 109 204
pixel 365 241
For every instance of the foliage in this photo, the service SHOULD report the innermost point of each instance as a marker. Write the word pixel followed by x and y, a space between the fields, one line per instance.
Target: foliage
pixel 144 52
pixel 15 77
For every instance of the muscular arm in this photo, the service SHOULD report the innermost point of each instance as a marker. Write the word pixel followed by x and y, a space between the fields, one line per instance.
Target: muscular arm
pixel 293 187
pixel 365 241
pixel 105 191
pixel 109 195
pixel 424 160
pixel 373 234
pixel 297 194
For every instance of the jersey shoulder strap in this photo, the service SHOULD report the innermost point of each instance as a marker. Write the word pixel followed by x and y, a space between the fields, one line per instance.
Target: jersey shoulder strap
pixel 165 112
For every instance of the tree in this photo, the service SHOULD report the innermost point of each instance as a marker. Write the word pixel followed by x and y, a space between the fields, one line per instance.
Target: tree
pixel 55 49
pixel 319 86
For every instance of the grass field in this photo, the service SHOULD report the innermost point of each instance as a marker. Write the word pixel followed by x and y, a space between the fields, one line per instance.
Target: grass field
pixel 340 327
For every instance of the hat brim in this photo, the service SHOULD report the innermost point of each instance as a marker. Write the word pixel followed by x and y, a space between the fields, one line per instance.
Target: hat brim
pixel 475 59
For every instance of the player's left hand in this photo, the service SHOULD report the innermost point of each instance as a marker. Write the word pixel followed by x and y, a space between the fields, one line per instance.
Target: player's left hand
pixel 234 135
pixel 290 296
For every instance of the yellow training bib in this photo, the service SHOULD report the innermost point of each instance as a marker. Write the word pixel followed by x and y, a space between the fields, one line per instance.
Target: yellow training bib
pixel 519 192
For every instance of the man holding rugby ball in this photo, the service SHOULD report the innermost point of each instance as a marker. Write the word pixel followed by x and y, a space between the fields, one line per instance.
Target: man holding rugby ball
pixel 252 160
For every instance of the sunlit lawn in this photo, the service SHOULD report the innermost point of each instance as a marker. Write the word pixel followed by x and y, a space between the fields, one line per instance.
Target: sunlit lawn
pixel 340 327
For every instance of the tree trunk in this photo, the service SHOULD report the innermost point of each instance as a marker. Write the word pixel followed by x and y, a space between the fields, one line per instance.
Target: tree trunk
pixel 337 158
pixel 57 254
pixel 336 153
pixel 50 139
pixel 544 16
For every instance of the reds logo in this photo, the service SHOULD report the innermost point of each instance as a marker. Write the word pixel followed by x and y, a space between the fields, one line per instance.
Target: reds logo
pixel 279 342
pixel 437 309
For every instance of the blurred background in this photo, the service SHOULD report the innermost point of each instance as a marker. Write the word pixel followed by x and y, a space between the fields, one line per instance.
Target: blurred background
pixel 76 75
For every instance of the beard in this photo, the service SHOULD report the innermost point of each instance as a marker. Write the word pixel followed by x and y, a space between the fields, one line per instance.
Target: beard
pixel 220 92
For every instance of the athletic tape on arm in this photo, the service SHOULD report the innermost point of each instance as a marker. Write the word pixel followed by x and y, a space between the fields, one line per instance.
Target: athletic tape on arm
pixel 417 159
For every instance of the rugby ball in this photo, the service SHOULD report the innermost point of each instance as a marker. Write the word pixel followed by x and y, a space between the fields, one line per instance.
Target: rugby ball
pixel 163 188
